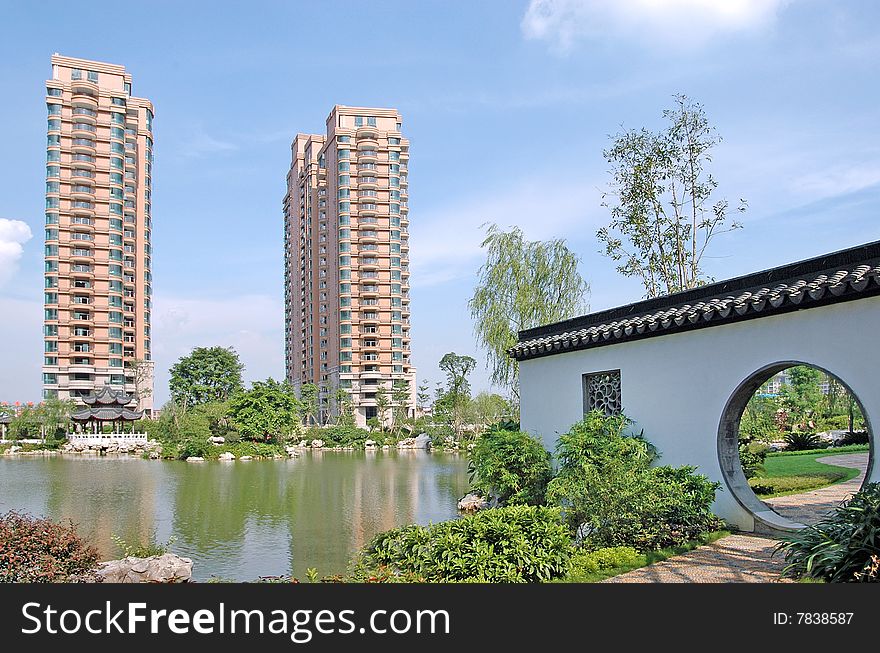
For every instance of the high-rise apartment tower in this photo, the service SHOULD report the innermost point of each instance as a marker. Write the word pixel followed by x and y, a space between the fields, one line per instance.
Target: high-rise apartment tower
pixel 98 284
pixel 346 272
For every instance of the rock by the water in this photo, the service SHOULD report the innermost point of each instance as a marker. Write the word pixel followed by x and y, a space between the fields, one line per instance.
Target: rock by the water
pixel 246 458
pixel 226 455
pixel 166 568
pixel 317 444
pixel 292 452
pixel 472 502
pixel 369 444
pixel 422 441
pixel 217 440
pixel 303 443
pixel 195 459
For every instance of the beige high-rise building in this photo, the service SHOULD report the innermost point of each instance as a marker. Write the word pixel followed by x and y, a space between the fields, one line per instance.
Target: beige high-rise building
pixel 98 282
pixel 346 265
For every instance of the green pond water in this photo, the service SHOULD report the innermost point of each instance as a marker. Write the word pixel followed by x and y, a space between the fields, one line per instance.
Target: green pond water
pixel 240 520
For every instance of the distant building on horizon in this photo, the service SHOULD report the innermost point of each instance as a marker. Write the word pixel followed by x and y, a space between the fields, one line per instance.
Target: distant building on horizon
pixel 346 261
pixel 98 257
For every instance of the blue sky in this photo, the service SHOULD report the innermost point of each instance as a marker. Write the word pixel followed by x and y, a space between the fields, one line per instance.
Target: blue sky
pixel 508 106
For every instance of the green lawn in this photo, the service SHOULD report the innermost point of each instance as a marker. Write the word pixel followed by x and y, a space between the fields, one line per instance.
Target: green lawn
pixel 792 473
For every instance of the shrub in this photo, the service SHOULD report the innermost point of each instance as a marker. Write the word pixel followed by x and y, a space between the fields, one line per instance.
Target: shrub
pixel 143 550
pixel 510 466
pixel 249 448
pixel 517 544
pixel 588 563
pixel 751 456
pixel 34 550
pixel 844 547
pixel 611 496
pixel 859 437
pixel 194 447
pixel 802 440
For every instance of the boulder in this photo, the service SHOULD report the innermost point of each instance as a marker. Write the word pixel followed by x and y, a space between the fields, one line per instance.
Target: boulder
pixel 423 441
pixel 472 502
pixel 154 455
pixel 303 443
pixel 217 440
pixel 14 449
pixel 246 458
pixel 195 459
pixel 292 452
pixel 226 455
pixel 166 568
pixel 79 446
pixel 369 444
pixel 317 444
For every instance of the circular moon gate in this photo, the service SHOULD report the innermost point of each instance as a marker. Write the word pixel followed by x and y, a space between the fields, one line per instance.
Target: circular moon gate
pixel 766 520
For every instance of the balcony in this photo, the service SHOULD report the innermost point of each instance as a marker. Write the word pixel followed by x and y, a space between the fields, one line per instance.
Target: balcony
pixel 367 155
pixel 367 169
pixel 367 132
pixel 368 143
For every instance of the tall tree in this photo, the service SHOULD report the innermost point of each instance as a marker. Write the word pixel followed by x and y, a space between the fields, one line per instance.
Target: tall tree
pixel 344 414
pixel 308 395
pixel 454 400
pixel 661 218
pixel 142 373
pixel 54 415
pixel 269 410
pixel 400 397
pixel 207 374
pixel 383 402
pixel 523 284
pixel 423 397
pixel 802 396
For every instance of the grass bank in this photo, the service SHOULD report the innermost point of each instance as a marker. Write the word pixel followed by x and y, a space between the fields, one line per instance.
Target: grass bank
pixel 793 472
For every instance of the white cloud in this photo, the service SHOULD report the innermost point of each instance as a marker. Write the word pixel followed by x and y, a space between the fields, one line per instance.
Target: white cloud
pixel 202 144
pixel 837 180
pixel 13 235
pixel 252 324
pixel 681 24
pixel 446 241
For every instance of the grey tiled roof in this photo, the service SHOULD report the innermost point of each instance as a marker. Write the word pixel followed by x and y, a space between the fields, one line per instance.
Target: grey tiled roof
pixel 842 276
pixel 107 413
pixel 107 396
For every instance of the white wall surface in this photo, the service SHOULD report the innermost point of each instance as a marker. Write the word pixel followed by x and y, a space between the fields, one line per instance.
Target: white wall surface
pixel 675 387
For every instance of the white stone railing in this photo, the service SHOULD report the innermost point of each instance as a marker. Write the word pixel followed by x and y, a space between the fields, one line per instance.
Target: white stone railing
pixel 92 439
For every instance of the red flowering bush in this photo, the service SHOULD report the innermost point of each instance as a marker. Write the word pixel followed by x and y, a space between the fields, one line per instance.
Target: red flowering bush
pixel 34 550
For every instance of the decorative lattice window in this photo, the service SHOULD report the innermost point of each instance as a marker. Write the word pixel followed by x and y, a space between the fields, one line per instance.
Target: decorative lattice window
pixel 602 392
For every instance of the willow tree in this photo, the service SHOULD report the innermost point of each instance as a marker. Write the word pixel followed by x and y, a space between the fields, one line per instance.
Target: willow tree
pixel 662 215
pixel 523 284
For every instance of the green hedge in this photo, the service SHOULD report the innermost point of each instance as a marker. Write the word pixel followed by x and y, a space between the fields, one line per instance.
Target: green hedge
pixel 516 544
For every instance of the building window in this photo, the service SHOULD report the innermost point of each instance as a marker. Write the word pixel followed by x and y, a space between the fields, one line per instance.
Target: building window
pixel 602 392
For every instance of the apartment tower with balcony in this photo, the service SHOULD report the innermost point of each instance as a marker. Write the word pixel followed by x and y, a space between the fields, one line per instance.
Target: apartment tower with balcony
pixel 98 284
pixel 346 271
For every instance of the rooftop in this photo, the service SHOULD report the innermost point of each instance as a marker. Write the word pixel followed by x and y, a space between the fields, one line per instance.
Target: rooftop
pixel 841 276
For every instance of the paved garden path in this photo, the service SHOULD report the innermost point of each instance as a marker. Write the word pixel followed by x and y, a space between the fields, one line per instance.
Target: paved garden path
pixel 809 507
pixel 732 559
pixel 749 558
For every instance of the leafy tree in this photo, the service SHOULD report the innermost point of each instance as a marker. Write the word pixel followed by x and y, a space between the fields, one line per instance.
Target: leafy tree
pixel 26 422
pixel 344 414
pixel 510 467
pixel 383 401
pixel 453 400
pixel 523 284
pixel 400 397
pixel 308 396
pixel 488 408
pixel 423 396
pixel 142 373
pixel 801 397
pixel 54 416
pixel 661 218
pixel 269 410
pixel 207 374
